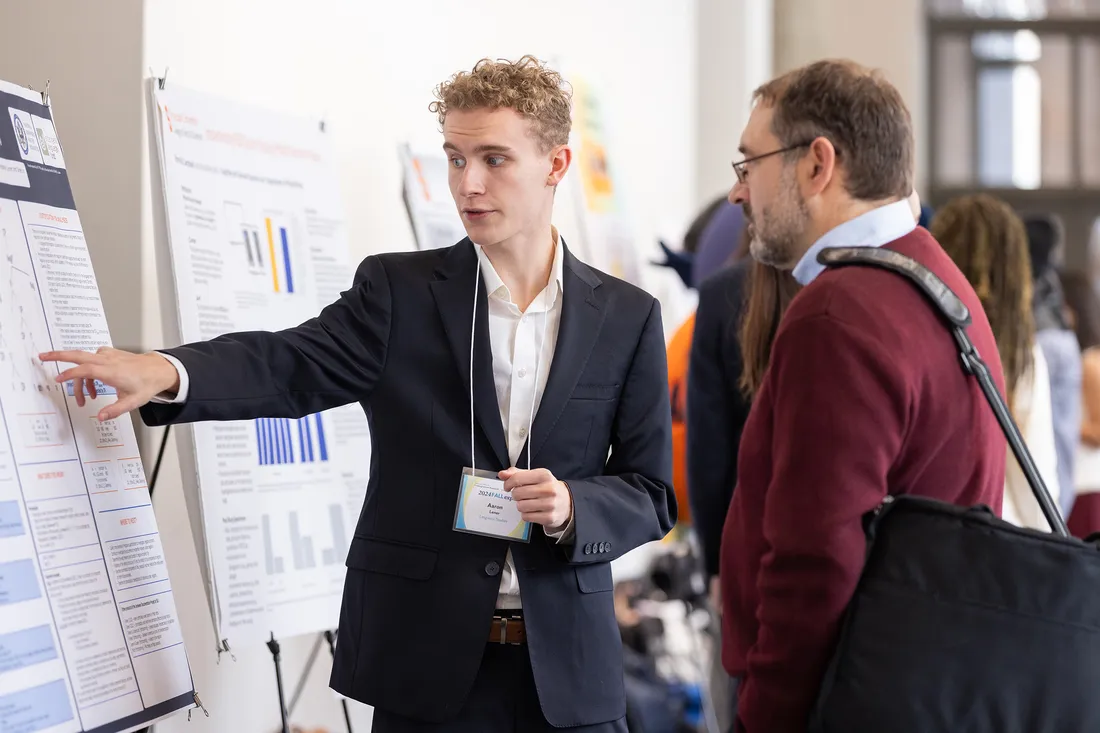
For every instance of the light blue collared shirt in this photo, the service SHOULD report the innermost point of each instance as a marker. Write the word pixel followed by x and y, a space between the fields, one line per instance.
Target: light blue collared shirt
pixel 875 228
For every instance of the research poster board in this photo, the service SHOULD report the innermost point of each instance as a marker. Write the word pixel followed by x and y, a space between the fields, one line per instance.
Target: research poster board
pixel 253 230
pixel 90 639
pixel 431 208
pixel 605 225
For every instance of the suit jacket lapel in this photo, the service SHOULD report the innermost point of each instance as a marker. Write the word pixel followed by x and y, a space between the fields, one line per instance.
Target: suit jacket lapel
pixel 583 312
pixel 453 294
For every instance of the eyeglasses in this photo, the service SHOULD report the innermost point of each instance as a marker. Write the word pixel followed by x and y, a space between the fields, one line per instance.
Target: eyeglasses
pixel 740 167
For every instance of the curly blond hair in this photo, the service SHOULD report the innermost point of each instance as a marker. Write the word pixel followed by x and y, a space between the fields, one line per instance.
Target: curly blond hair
pixel 528 86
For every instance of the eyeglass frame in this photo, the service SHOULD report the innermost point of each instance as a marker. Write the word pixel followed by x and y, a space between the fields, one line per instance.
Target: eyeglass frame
pixel 739 165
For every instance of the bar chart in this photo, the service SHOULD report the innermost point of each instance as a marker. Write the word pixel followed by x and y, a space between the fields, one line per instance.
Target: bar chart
pixel 281 441
pixel 301 544
pixel 279 253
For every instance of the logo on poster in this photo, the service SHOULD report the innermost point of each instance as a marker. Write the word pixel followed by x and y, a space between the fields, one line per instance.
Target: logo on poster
pixel 21 135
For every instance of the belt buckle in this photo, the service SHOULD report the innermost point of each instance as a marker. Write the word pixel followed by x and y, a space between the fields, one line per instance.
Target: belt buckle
pixel 504 631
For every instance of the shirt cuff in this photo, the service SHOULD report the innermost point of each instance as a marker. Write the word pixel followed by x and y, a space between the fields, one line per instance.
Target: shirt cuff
pixel 566 534
pixel 167 398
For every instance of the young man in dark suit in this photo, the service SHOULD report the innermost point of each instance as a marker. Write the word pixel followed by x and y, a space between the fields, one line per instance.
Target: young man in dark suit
pixel 863 396
pixel 443 630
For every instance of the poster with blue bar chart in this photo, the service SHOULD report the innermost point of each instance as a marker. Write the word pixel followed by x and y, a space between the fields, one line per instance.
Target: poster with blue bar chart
pixel 90 638
pixel 249 218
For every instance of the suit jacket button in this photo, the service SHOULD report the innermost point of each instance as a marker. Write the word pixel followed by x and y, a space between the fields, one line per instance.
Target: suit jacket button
pixel 492 569
pixel 588 549
pixel 607 547
pixel 601 546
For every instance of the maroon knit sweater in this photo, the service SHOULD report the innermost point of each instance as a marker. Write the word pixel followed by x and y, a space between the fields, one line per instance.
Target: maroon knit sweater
pixel 864 396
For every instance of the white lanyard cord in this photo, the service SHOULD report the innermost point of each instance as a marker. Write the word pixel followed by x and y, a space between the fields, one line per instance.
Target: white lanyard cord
pixel 535 391
pixel 473 330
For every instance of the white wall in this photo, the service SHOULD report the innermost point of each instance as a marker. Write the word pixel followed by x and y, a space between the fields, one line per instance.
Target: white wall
pixel 369 70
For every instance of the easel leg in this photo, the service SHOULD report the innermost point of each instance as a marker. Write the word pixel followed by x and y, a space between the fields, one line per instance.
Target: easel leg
pixel 330 637
pixel 273 647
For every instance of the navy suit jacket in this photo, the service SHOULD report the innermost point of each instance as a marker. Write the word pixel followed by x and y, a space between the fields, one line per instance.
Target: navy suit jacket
pixel 716 408
pixel 419 597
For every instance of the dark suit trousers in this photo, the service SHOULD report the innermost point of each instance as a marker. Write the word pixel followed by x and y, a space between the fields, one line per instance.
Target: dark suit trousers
pixel 503 700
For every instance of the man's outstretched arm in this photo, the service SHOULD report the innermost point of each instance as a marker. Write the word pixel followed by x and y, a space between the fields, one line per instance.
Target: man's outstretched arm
pixel 330 360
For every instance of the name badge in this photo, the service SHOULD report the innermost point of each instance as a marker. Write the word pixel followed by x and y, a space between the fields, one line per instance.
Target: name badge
pixel 485 508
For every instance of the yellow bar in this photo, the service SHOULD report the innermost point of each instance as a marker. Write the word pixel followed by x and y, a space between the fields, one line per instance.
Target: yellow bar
pixel 271 250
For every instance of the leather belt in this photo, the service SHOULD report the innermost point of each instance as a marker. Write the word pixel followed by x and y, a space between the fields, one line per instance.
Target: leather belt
pixel 507 631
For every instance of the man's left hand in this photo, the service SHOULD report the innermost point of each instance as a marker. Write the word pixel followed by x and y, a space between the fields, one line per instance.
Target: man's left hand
pixel 540 498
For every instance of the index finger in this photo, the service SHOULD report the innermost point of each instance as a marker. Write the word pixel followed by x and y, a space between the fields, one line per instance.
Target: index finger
pixel 73 357
pixel 527 478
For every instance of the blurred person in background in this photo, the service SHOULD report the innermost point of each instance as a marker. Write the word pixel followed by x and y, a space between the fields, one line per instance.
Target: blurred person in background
pixel 1055 337
pixel 1084 306
pixel 680 347
pixel 988 242
pixel 718 250
pixel 861 395
pixel 716 408
pixel 716 411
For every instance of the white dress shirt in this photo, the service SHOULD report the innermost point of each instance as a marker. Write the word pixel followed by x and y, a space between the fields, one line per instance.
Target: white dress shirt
pixel 523 344
pixel 872 229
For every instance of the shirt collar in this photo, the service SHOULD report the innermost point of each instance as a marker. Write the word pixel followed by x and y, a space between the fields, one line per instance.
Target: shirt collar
pixel 495 286
pixel 873 229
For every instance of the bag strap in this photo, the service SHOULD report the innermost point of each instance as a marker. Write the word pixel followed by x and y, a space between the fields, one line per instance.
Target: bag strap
pixel 955 312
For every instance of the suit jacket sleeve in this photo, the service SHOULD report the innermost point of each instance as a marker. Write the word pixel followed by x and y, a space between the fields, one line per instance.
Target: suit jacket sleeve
pixel 633 502
pixel 328 361
pixel 839 406
pixel 716 411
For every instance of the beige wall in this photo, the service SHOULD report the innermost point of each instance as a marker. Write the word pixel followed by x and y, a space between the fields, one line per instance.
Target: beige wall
pixel 98 119
pixel 886 34
pixel 734 56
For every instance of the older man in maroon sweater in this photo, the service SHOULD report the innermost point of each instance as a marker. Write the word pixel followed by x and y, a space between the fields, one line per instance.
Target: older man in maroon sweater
pixel 864 395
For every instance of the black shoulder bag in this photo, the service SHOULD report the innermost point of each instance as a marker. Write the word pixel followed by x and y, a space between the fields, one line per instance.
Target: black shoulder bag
pixel 962 622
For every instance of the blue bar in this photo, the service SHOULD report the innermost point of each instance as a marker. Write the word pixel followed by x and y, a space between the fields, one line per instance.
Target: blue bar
pixel 259 443
pixel 280 432
pixel 309 438
pixel 287 458
pixel 36 708
pixel 26 648
pixel 11 519
pixel 280 425
pixel 18 582
pixel 269 442
pixel 301 442
pixel 289 440
pixel 286 259
pixel 321 437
